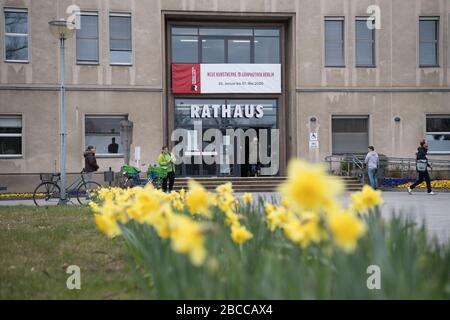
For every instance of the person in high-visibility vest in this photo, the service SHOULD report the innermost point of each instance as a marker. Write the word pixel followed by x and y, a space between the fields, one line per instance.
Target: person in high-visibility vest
pixel 166 161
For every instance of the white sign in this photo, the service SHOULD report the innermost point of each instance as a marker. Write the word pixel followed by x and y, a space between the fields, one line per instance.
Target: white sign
pixel 314 144
pixel 313 136
pixel 240 78
pixel 137 153
pixel 227 111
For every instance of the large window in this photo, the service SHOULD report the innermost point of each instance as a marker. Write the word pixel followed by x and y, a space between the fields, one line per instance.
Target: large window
pixel 104 133
pixel 429 41
pixel 225 45
pixel 120 38
pixel 16 35
pixel 334 42
pixel 10 135
pixel 350 134
pixel 365 43
pixel 87 39
pixel 438 133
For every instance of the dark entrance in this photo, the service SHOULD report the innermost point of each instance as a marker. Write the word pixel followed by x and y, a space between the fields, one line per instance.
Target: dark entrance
pixel 185 118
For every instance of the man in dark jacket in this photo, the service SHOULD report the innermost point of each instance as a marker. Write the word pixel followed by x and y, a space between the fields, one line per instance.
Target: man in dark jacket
pixel 90 163
pixel 422 168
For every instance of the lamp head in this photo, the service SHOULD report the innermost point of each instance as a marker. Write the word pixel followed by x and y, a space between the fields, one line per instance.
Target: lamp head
pixel 61 28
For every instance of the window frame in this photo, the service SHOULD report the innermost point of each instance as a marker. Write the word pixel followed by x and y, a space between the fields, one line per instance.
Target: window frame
pixel 125 116
pixel 342 20
pixel 16 10
pixel 21 135
pixel 86 62
pixel 373 42
pixel 436 19
pixel 436 116
pixel 225 38
pixel 121 14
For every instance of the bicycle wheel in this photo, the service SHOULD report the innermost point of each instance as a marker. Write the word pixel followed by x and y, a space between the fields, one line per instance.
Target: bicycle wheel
pixel 86 191
pixel 47 193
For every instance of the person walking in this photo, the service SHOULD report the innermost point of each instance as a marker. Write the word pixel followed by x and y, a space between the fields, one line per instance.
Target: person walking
pixel 422 166
pixel 90 166
pixel 166 161
pixel 372 162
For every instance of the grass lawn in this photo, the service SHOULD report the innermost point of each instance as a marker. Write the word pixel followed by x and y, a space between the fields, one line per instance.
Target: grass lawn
pixel 38 244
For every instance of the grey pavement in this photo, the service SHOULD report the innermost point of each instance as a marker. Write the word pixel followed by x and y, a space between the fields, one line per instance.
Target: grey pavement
pixel 434 210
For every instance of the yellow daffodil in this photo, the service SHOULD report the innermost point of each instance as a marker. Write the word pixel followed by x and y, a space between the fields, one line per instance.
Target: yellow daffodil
pixel 365 199
pixel 239 234
pixel 346 229
pixel 187 237
pixel 276 216
pixel 197 199
pixel 247 197
pixel 308 187
pixel 225 188
pixel 108 225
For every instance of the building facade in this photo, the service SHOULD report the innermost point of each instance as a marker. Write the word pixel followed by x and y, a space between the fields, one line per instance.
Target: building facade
pixel 331 76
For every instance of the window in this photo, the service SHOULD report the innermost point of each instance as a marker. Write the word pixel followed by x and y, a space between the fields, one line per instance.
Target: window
pixel 365 43
pixel 120 39
pixel 350 134
pixel 87 39
pixel 438 133
pixel 334 42
pixel 104 133
pixel 429 42
pixel 213 51
pixel 10 135
pixel 239 51
pixel 16 35
pixel 225 45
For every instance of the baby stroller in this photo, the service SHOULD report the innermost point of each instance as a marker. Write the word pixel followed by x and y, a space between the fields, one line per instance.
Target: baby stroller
pixel 155 174
pixel 132 176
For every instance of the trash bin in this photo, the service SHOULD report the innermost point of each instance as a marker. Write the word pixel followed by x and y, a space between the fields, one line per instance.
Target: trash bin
pixel 108 176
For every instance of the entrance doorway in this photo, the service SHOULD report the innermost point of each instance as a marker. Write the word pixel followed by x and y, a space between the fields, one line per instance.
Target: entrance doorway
pixel 237 154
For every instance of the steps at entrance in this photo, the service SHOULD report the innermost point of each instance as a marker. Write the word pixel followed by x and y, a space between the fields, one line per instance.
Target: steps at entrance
pixel 253 184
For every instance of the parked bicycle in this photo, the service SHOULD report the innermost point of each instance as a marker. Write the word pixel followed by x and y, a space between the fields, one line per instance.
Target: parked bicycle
pixel 49 191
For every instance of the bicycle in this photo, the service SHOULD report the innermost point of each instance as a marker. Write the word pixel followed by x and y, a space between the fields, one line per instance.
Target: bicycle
pixel 49 191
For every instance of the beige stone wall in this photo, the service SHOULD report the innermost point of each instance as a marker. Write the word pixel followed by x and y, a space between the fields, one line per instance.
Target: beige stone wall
pixel 140 90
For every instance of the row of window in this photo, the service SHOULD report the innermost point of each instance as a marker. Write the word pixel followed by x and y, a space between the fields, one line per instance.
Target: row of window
pixel 349 134
pixel 365 42
pixel 217 45
pixel 87 37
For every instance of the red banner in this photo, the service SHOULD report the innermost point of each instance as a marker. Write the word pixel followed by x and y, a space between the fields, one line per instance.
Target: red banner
pixel 186 78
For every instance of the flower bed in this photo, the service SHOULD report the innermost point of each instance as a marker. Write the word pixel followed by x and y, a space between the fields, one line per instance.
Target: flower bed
pixel 402 183
pixel 203 245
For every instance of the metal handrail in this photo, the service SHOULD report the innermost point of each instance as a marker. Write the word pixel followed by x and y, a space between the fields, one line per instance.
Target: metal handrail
pixel 353 165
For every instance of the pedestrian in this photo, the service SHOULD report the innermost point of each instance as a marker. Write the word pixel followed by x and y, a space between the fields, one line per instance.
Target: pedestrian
pixel 166 161
pixel 422 166
pixel 372 162
pixel 90 166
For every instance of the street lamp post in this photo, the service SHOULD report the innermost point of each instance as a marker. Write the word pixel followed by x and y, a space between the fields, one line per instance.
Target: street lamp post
pixel 62 31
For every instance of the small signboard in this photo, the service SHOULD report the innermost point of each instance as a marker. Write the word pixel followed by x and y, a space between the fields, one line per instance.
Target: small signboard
pixel 313 136
pixel 314 144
